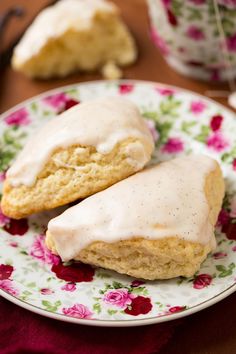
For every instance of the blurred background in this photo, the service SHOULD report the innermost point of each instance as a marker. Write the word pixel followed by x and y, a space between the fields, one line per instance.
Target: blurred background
pixel 150 65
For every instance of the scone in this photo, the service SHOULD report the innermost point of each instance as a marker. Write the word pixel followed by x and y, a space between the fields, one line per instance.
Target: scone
pixel 156 224
pixel 80 152
pixel 74 35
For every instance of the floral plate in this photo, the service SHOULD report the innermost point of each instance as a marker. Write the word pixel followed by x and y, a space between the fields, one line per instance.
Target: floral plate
pixel 181 122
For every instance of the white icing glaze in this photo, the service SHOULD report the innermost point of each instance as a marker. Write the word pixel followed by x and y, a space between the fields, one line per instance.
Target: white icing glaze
pixel 55 20
pixel 165 200
pixel 101 123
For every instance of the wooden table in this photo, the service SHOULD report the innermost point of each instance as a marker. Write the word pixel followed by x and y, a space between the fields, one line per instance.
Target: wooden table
pixel 211 331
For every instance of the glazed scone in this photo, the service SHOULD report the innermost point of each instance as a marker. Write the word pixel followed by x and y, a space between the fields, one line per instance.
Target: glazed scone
pixel 80 152
pixel 156 224
pixel 74 35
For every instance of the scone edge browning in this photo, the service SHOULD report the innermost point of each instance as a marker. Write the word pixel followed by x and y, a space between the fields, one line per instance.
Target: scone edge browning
pixel 155 259
pixel 68 157
pixel 69 176
pixel 75 48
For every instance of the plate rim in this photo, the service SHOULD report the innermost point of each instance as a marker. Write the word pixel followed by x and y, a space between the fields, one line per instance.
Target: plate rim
pixel 92 82
pixel 121 323
pixel 117 323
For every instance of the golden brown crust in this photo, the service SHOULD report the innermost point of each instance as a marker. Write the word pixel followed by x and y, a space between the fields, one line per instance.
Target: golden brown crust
pixel 69 176
pixel 142 258
pixel 155 259
pixel 84 50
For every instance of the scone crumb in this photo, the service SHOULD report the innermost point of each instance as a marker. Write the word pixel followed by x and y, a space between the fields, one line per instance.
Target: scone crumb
pixel 111 71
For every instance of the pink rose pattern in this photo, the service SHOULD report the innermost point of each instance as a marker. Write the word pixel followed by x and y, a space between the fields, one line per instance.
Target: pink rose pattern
pixel 216 122
pixel 193 22
pixel 8 286
pixel 60 102
pixel 228 3
pixel 166 3
pixel 231 43
pixel 41 252
pixel 78 311
pixel 227 218
pixel 140 305
pixel 2 176
pixel 217 142
pixel 175 309
pixel 69 287
pixel 12 226
pixel 6 283
pixel 76 272
pixel 219 255
pixel 201 281
pixel 120 298
pixel 137 283
pixel 223 218
pixel 56 101
pixel 159 41
pixel 46 291
pixel 125 88
pixel 13 244
pixel 172 19
pixel 197 107
pixel 234 164
pixel 3 218
pixel 173 146
pixel 233 207
pixel 16 227
pixel 195 33
pixel 18 118
pixel 165 91
pixel 5 271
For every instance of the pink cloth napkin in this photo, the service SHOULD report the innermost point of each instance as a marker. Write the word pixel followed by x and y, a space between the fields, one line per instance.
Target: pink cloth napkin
pixel 22 331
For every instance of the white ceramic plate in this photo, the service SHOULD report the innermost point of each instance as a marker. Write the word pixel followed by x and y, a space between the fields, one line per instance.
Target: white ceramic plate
pixel 182 122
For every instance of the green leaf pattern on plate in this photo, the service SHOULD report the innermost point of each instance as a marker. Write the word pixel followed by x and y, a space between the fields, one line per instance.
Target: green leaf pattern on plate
pixel 184 123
